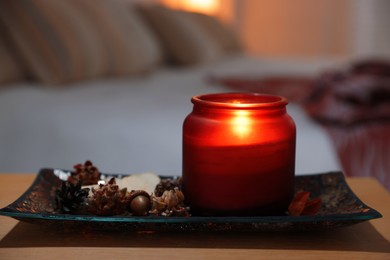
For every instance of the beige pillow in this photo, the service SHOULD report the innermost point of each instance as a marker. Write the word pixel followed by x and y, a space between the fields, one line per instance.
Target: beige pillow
pixel 220 33
pixel 78 39
pixel 185 41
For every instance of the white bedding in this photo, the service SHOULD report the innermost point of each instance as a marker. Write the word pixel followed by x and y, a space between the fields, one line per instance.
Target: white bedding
pixel 133 125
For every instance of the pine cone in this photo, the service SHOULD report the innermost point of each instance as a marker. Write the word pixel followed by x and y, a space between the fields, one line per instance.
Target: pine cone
pixel 70 197
pixel 109 200
pixel 87 173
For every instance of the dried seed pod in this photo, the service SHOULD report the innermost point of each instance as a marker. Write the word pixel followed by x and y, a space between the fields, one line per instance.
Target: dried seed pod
pixel 140 205
pixel 139 202
pixel 135 193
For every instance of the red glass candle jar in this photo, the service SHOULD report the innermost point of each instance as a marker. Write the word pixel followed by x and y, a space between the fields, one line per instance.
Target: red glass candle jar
pixel 238 155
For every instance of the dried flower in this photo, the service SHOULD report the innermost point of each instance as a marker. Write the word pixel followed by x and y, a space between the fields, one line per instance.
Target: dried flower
pixel 87 173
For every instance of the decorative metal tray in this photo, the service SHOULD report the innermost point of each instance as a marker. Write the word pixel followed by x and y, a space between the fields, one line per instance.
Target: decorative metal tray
pixel 340 207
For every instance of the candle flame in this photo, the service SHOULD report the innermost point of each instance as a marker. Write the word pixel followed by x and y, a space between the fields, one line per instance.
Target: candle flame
pixel 241 123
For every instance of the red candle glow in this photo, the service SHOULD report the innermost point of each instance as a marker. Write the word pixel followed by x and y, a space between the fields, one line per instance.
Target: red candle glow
pixel 238 154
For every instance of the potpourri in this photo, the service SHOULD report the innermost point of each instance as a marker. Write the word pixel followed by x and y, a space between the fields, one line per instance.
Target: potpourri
pixel 74 196
pixel 118 196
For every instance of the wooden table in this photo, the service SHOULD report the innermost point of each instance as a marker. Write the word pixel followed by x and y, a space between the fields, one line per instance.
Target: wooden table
pixel 365 240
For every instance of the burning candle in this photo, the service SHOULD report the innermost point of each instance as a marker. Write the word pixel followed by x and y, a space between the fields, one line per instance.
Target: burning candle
pixel 238 155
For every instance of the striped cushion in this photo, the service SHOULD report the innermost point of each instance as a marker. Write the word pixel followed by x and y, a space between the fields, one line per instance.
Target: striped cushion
pixel 70 40
pixel 10 71
pixel 222 34
pixel 184 40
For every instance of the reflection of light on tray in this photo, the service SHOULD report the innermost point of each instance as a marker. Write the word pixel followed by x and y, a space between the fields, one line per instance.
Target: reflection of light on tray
pixel 340 207
pixel 61 174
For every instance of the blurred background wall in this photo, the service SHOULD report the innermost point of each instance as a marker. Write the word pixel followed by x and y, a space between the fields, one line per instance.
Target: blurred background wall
pixel 304 28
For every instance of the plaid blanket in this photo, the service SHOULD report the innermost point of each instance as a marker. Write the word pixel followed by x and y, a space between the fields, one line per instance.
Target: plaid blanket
pixel 353 106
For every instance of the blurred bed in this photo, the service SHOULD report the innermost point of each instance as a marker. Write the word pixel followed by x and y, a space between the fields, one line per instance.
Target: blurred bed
pixel 133 125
